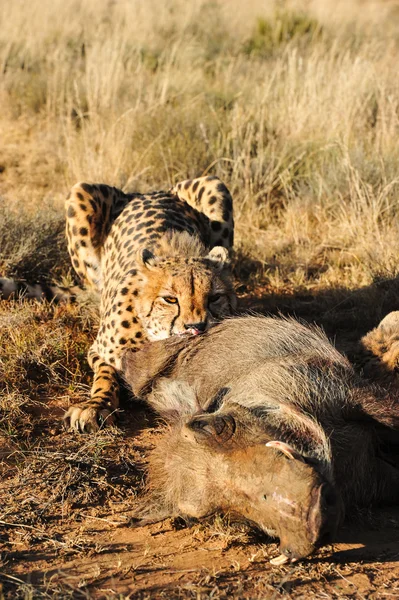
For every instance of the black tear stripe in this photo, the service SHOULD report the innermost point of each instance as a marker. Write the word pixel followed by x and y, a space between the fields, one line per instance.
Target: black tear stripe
pixel 192 282
pixel 174 320
pixel 152 306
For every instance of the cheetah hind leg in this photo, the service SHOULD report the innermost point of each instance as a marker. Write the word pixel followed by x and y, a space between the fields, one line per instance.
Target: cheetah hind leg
pixel 90 212
pixel 101 409
pixel 210 196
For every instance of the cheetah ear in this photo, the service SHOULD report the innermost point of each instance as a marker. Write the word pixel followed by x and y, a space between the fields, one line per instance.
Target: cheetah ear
pixel 219 256
pixel 146 258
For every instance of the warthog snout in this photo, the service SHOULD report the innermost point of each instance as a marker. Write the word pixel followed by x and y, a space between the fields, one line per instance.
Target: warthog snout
pixel 303 509
pixel 323 519
pixel 326 514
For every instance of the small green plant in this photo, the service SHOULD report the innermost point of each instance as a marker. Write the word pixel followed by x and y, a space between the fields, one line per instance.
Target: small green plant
pixel 284 27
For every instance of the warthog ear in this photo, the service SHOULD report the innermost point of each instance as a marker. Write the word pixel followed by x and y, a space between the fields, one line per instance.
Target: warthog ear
pixel 217 400
pixel 146 258
pixel 285 449
pixel 212 429
pixel 219 256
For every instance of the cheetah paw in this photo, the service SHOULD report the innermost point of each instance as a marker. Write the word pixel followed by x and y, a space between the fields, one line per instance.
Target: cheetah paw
pixel 88 419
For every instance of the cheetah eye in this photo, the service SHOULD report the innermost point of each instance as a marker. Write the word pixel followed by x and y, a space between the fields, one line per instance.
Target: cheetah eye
pixel 169 299
pixel 215 298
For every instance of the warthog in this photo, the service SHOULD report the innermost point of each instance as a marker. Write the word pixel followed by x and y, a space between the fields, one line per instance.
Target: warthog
pixel 268 420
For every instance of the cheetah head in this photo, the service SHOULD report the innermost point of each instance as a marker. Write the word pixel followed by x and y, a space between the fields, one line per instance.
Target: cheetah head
pixel 183 294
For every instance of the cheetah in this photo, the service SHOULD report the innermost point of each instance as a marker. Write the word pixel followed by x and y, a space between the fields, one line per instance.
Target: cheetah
pixel 12 289
pixel 377 353
pixel 160 263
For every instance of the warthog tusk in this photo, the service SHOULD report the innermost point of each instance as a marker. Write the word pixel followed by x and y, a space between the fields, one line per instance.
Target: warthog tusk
pixel 279 560
pixel 285 449
pixel 282 559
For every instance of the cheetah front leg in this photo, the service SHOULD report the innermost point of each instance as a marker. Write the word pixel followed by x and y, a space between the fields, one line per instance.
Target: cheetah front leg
pixel 90 212
pixel 102 406
pixel 210 196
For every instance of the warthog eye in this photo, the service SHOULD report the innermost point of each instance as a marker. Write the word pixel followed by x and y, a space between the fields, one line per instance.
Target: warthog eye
pixel 264 497
pixel 216 428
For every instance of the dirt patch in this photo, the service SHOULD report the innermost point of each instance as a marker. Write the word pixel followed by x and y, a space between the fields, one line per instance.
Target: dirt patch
pixel 160 561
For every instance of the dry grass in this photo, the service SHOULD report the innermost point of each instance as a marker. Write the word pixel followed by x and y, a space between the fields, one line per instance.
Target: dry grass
pixel 294 104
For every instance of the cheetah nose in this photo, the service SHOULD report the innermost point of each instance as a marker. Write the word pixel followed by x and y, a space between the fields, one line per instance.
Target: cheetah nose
pixel 195 327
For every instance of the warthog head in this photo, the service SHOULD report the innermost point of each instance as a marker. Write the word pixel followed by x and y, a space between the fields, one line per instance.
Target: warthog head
pixel 226 462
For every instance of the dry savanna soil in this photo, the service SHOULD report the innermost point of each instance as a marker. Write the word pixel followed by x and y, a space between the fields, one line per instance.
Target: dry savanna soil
pixel 295 105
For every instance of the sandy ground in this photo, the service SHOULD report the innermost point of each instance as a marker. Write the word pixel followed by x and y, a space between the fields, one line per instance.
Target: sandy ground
pixel 162 561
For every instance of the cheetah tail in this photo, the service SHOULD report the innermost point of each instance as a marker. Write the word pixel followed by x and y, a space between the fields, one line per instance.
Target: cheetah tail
pixel 13 289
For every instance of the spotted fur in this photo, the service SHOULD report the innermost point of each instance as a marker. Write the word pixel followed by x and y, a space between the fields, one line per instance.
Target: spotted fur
pixel 378 352
pixel 160 263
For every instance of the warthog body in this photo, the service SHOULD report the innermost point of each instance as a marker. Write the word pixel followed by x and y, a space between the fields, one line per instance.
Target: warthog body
pixel 249 382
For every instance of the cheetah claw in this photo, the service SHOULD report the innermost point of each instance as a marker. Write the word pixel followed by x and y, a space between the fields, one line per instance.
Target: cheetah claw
pixel 87 419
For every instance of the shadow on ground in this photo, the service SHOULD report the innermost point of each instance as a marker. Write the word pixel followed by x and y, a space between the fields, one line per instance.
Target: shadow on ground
pixel 344 314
